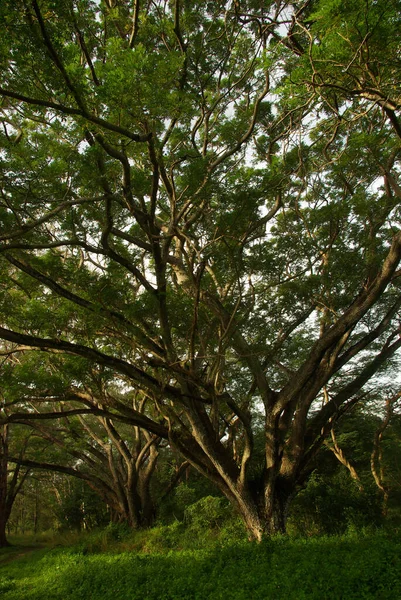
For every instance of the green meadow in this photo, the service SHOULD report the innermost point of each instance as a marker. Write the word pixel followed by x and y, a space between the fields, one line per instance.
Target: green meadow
pixel 165 564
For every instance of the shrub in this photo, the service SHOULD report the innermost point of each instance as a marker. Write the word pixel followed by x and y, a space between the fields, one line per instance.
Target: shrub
pixel 208 513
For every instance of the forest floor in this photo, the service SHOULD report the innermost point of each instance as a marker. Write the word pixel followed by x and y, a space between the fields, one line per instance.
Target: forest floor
pixel 156 566
pixel 14 552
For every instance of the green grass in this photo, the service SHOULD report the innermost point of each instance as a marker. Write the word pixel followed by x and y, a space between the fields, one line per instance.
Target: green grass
pixel 364 567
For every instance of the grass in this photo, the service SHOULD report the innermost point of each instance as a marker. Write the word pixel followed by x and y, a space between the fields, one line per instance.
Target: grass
pixel 101 566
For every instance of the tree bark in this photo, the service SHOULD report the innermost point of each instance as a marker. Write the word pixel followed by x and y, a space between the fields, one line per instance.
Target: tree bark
pixel 3 536
pixel 4 512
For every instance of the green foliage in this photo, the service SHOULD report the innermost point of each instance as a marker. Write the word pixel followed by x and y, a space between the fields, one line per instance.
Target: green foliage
pixel 197 205
pixel 208 512
pixel 81 508
pixel 100 540
pixel 357 567
pixel 333 504
pixel 174 507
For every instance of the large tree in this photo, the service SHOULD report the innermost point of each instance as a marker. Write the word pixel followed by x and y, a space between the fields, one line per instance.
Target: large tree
pixel 12 476
pixel 200 200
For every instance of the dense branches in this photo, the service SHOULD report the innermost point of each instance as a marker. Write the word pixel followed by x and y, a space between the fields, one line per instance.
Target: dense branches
pixel 200 206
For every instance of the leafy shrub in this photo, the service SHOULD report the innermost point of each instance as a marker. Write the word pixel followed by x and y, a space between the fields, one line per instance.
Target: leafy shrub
pixel 6 584
pixel 102 540
pixel 173 508
pixel 332 506
pixel 81 508
pixel 208 512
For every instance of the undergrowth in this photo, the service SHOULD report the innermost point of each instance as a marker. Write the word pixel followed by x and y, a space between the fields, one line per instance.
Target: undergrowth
pixel 206 555
pixel 182 562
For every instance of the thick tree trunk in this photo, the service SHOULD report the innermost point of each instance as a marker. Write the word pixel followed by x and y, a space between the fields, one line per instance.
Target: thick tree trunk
pixel 264 513
pixel 148 509
pixel 3 537
pixel 276 514
pixel 260 524
pixel 253 522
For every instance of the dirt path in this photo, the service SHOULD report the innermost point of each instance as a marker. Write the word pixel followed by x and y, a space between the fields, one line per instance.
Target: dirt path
pixel 16 552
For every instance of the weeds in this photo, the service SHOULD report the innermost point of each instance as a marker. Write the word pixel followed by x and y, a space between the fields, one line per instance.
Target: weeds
pixel 145 566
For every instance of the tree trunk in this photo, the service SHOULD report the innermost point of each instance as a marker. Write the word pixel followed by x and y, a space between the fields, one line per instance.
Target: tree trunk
pixel 264 512
pixel 3 536
pixel 253 521
pixel 3 523
pixel 263 522
pixel 276 513
pixel 4 513
pixel 148 510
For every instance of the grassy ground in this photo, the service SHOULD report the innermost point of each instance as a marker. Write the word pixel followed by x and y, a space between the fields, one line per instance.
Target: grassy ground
pixel 148 567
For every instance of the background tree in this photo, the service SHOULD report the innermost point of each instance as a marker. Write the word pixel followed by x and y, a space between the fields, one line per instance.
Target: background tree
pixel 12 477
pixel 116 464
pixel 355 483
pixel 82 439
pixel 201 201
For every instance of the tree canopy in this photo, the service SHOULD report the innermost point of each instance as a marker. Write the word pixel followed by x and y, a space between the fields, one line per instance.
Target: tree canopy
pixel 199 215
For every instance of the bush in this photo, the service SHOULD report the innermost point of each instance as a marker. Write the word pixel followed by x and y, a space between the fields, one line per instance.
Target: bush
pixel 81 508
pixel 332 506
pixel 173 508
pixel 208 513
